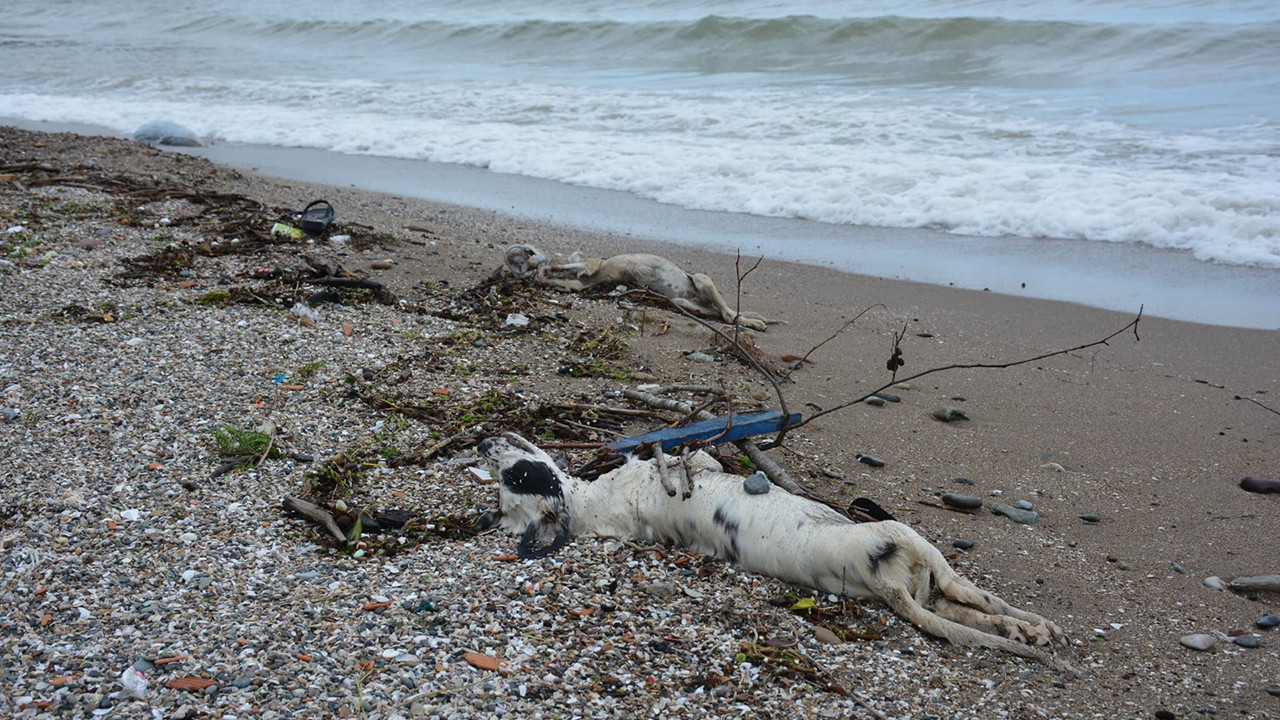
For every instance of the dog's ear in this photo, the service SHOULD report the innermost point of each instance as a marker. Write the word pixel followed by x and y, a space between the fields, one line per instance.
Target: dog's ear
pixel 544 536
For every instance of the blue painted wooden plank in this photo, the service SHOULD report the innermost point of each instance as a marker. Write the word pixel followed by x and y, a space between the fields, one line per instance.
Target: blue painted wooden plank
pixel 745 425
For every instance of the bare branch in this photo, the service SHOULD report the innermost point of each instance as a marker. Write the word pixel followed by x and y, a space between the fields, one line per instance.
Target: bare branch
pixel 805 358
pixel 969 366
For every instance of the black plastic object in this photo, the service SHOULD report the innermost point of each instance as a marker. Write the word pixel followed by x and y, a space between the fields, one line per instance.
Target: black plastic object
pixel 317 217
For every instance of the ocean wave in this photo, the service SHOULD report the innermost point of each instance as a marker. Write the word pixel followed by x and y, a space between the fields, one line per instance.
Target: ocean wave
pixel 875 49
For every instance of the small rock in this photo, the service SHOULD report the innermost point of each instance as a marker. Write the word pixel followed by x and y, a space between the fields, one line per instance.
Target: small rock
pixel 871 460
pixel 1054 467
pixel 516 320
pixel 1256 583
pixel 1018 515
pixel 962 544
pixel 1259 485
pixel 1024 505
pixel 1266 622
pixel 381 264
pixel 961 501
pixel 826 637
pixel 1198 641
pixel 874 401
pixel 887 397
pixel 408 659
pixel 1274 691
pixel 964 481
pixel 1091 518
pixel 1165 715
pixel 700 357
pixel 10 414
pixel 950 414
pixel 756 484
pixel 660 589
pixel 1177 568
pixel 1215 582
pixel 1248 641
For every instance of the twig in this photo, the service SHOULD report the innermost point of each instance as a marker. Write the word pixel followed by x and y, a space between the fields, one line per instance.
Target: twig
pixel 664 473
pixel 1255 402
pixel 315 514
pixel 805 358
pixel 1132 324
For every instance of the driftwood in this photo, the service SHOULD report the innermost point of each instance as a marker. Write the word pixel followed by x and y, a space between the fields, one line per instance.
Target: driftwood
pixel 346 282
pixel 315 514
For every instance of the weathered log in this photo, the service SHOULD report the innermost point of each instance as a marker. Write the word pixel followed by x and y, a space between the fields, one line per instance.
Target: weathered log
pixel 315 514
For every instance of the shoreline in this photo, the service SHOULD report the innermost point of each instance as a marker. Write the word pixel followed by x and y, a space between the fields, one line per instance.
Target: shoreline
pixel 1113 276
pixel 1151 435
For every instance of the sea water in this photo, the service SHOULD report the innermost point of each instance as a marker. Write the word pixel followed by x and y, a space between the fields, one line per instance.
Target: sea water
pixel 1144 122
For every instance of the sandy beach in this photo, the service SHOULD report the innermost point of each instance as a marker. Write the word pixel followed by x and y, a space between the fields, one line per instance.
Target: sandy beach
pixel 114 404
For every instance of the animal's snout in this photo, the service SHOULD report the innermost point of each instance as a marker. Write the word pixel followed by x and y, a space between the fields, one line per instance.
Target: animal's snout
pixel 486 445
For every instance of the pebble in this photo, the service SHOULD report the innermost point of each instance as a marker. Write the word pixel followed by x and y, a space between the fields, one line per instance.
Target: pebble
pixel 700 357
pixel 1018 515
pixel 1198 641
pixel 660 589
pixel 1215 582
pixel 1266 622
pixel 1274 691
pixel 874 401
pixel 961 501
pixel 887 397
pixel 10 414
pixel 1165 715
pixel 756 484
pixel 1177 568
pixel 962 544
pixel 1091 518
pixel 950 414
pixel 871 460
pixel 1256 583
pixel 826 637
pixel 1024 505
pixel 1248 641
pixel 1259 485
pixel 964 481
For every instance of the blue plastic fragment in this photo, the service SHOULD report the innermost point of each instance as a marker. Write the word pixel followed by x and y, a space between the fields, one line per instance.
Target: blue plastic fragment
pixel 740 426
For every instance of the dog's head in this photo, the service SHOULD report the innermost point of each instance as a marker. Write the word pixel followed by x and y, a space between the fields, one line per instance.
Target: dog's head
pixel 524 260
pixel 531 493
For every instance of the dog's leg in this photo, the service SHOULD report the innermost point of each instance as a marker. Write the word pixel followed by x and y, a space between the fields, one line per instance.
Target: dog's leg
pixel 664 474
pixel 960 591
pixel 1017 630
pixel 902 603
pixel 712 303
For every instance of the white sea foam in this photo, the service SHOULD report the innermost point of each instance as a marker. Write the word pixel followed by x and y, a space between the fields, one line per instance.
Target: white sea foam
pixel 1154 122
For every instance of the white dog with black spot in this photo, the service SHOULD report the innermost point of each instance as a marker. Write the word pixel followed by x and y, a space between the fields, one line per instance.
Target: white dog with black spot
pixel 779 534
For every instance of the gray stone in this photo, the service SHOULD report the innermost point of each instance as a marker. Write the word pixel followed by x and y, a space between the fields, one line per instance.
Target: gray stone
pixel 962 501
pixel 1177 568
pixel 1266 622
pixel 1259 485
pixel 10 414
pixel 1018 515
pixel 1091 518
pixel 700 357
pixel 1198 641
pixel 1256 583
pixel 964 481
pixel 1024 505
pixel 1215 582
pixel 756 484
pixel 888 397
pixel 871 460
pixel 874 401
pixel 962 544
pixel 950 414
pixel 660 589
pixel 1247 641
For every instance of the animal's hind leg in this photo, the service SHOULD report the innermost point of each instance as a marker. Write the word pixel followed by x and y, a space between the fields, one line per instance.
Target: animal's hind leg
pixel 960 591
pixel 1017 630
pixel 712 303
